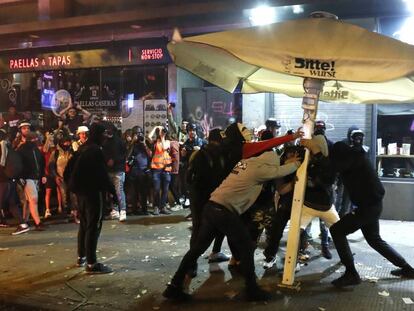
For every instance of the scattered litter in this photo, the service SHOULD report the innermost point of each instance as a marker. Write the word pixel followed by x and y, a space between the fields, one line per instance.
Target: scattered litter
pixel 138 296
pixel 231 294
pixel 97 289
pixel 4 248
pixel 146 259
pixel 166 241
pixel 372 279
pixel 103 257
pixel 50 244
pixel 384 293
pixel 128 251
pixel 321 309
pixel 408 301
pixel 144 291
pixel 112 273
pixel 168 227
pixel 51 262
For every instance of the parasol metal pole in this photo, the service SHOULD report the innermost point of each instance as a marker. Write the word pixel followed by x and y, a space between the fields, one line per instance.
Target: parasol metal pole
pixel 312 88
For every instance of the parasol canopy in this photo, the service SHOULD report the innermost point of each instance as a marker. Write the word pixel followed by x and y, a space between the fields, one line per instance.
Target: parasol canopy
pixel 358 66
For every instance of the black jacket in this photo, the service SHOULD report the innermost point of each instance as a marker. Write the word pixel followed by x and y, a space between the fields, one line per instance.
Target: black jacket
pixel 33 161
pixel 90 172
pixel 115 149
pixel 359 177
pixel 319 190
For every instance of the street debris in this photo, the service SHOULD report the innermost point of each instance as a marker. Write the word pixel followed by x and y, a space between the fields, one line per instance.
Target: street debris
pixel 371 279
pixel 231 294
pixel 408 301
pixel 50 244
pixel 51 262
pixel 146 259
pixel 321 309
pixel 384 293
pixel 4 248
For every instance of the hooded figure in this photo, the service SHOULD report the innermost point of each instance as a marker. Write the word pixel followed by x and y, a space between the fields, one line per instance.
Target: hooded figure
pixel 366 193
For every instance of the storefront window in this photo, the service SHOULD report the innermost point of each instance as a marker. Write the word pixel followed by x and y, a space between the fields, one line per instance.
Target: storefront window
pixel 395 143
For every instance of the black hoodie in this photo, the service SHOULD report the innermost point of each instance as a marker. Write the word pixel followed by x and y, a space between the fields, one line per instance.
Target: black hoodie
pixel 359 177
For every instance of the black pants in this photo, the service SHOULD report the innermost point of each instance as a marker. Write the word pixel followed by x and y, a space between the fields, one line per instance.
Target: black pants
pixel 9 197
pixel 90 215
pixel 197 204
pixel 275 232
pixel 217 219
pixel 174 188
pixel 368 221
pixel 142 183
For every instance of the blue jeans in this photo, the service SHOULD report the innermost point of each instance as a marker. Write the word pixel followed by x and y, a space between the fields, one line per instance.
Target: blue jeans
pixel 161 180
pixel 118 179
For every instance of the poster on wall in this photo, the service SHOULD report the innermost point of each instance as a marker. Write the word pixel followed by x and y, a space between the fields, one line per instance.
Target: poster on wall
pixel 155 113
pixel 132 114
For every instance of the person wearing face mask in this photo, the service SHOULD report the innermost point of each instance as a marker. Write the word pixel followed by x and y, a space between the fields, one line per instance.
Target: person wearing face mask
pixel 57 164
pixel 357 141
pixel 114 150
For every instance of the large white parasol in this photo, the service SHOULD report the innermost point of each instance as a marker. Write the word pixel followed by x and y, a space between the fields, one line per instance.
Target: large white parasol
pixel 314 58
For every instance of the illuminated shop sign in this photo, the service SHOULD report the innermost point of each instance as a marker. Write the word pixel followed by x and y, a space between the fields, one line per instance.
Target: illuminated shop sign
pixel 112 56
pixel 57 61
pixel 148 55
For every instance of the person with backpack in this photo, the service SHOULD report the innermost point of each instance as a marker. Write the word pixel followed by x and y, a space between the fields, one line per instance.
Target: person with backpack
pixel 33 170
pixel 10 167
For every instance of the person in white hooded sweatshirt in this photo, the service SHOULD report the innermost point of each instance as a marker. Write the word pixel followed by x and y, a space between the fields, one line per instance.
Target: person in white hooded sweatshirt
pixel 222 213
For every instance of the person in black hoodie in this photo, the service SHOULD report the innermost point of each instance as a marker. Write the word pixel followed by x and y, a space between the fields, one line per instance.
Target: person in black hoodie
pixel 90 181
pixel 366 193
pixel 33 168
pixel 114 151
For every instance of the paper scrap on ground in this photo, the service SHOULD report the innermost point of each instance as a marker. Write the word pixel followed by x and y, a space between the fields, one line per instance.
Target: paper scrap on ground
pixel 321 309
pixel 408 301
pixel 384 293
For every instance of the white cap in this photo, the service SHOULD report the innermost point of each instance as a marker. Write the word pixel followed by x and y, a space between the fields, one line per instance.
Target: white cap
pixel 24 124
pixel 357 132
pixel 82 129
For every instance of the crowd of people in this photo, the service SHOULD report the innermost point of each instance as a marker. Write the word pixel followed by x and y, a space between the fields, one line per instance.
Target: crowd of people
pixel 235 182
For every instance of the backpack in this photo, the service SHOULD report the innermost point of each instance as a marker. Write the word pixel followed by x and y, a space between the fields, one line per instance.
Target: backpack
pixel 14 164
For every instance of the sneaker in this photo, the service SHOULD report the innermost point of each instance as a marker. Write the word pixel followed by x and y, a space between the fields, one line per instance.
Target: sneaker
pixel 156 211
pixel 47 214
pixel 269 263
pixel 347 279
pixel 326 252
pixel 176 293
pixel 164 211
pixel 122 216
pixel 257 294
pixel 98 268
pixel 176 207
pixel 114 214
pixel 22 228
pixel 4 224
pixel 81 261
pixel 405 272
pixel 218 257
pixel 40 227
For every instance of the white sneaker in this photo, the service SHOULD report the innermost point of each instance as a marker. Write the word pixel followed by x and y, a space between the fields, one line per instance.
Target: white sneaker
pixel 114 214
pixel 269 264
pixel 122 216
